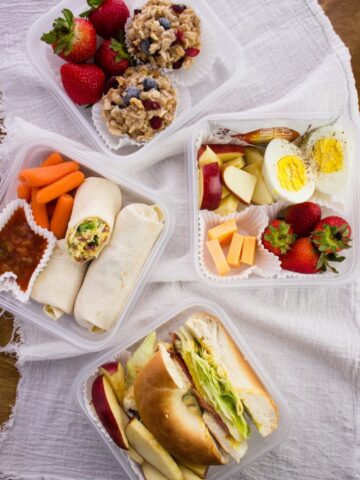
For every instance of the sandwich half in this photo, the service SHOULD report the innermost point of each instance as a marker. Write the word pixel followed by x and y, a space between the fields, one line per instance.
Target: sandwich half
pixel 196 395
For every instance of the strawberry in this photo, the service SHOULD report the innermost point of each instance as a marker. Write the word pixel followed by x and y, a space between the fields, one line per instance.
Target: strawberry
pixel 278 237
pixel 303 217
pixel 112 57
pixel 331 235
pixel 73 39
pixel 83 83
pixel 107 16
pixel 302 258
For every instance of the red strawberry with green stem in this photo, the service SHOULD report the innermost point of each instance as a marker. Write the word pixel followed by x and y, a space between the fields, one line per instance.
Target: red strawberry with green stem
pixel 332 234
pixel 83 83
pixel 107 16
pixel 112 57
pixel 303 217
pixel 302 257
pixel 278 237
pixel 73 39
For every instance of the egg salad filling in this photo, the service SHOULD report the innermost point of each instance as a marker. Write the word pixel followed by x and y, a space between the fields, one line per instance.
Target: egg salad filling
pixel 291 173
pixel 86 240
pixel 329 155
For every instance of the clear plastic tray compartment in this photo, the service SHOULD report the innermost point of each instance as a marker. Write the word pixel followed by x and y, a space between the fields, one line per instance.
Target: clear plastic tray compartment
pixel 31 154
pixel 225 70
pixel 348 207
pixel 258 445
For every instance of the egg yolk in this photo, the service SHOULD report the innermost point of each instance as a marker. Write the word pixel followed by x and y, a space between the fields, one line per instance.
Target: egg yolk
pixel 291 173
pixel 328 154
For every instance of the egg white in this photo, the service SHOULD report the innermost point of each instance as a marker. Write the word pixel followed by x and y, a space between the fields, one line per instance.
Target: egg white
pixel 331 183
pixel 276 150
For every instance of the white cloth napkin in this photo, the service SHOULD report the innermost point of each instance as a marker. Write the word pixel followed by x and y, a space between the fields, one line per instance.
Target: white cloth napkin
pixel 308 339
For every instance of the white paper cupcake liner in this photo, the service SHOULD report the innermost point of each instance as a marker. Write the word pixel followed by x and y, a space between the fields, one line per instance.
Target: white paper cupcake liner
pixel 251 222
pixel 202 64
pixel 114 142
pixel 8 281
pixel 275 210
pixel 86 391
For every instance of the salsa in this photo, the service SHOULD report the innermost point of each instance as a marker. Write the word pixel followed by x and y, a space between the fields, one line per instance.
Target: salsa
pixel 21 248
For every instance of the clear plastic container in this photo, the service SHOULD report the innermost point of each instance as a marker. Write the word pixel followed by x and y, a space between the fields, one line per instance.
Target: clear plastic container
pixel 240 122
pixel 29 154
pixel 258 446
pixel 226 69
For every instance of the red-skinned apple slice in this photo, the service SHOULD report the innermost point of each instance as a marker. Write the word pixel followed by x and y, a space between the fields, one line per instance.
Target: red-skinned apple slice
pixel 210 186
pixel 109 411
pixel 115 373
pixel 240 183
pixel 209 156
pixel 225 152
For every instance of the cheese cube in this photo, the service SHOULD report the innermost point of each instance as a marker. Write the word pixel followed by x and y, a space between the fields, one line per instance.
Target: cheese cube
pixel 248 251
pixel 223 232
pixel 218 257
pixel 234 253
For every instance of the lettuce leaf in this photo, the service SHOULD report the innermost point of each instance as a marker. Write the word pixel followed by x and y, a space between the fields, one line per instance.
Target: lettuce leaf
pixel 212 383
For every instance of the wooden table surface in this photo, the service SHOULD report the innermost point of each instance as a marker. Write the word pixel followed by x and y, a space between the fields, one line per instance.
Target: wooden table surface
pixel 345 16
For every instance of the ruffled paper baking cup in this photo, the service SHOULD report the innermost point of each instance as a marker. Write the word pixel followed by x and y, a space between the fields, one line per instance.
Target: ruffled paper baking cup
pixel 86 391
pixel 114 142
pixel 274 211
pixel 8 281
pixel 202 64
pixel 251 222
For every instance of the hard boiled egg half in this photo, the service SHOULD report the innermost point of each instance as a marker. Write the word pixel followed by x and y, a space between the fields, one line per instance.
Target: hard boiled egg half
pixel 287 174
pixel 329 150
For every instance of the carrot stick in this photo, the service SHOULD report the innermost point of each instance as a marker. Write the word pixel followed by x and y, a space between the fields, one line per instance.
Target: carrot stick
pixel 41 176
pixel 53 159
pixel 61 216
pixel 39 211
pixel 60 187
pixel 24 192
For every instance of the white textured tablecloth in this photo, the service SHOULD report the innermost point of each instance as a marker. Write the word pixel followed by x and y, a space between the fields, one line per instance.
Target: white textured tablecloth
pixel 309 340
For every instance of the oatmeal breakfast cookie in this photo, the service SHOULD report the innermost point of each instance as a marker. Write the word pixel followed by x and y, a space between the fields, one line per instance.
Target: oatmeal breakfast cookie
pixel 140 103
pixel 165 34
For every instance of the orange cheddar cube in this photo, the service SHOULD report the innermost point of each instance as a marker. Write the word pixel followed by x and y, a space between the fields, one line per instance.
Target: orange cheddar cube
pixel 235 249
pixel 248 251
pixel 223 232
pixel 218 257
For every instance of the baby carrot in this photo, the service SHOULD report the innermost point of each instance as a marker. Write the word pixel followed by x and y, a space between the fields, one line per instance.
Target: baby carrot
pixel 60 219
pixel 39 211
pixel 24 192
pixel 41 176
pixel 53 159
pixel 60 187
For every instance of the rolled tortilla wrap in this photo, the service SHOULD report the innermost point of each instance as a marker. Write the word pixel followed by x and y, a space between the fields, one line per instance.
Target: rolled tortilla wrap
pixel 97 202
pixel 59 283
pixel 113 275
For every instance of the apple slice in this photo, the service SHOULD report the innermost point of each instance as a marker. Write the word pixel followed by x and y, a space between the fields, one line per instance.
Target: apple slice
pixel 238 162
pixel 109 411
pixel 224 192
pixel 199 470
pixel 150 472
pixel 135 456
pixel 228 205
pixel 143 441
pixel 210 179
pixel 209 156
pixel 225 152
pixel 188 474
pixel 115 373
pixel 240 183
pixel 261 195
pixel 254 156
